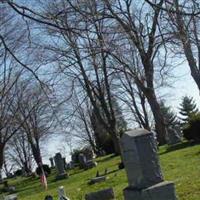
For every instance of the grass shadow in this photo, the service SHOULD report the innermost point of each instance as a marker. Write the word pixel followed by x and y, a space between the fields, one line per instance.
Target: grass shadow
pixel 108 173
pixel 107 158
pixel 177 147
pixel 76 172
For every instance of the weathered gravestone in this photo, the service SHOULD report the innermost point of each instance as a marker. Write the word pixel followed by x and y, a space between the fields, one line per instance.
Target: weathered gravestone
pixel 65 163
pixel 60 167
pixel 90 164
pixel 139 154
pixel 173 136
pixel 84 163
pixel 107 194
pixel 82 160
pixel 89 153
pixel 97 179
pixel 52 162
pixel 11 197
pixel 48 197
pixel 70 165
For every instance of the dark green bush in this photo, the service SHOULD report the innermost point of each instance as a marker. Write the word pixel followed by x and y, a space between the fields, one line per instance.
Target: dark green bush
pixel 46 169
pixel 18 172
pixel 192 129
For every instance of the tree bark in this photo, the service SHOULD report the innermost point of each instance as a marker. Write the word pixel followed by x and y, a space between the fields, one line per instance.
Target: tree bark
pixel 1 159
pixel 36 155
pixel 158 117
pixel 115 138
pixel 187 45
pixel 116 145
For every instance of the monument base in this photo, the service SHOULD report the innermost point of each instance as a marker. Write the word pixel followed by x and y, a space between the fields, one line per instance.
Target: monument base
pixel 161 191
pixel 62 176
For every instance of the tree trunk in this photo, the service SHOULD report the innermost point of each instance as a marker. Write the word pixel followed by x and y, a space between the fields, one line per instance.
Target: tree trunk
pixel 116 142
pixel 158 117
pixel 187 45
pixel 117 145
pixel 36 155
pixel 1 159
pixel 26 167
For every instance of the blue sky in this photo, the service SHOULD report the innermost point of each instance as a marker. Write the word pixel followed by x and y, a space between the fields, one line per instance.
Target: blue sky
pixel 184 85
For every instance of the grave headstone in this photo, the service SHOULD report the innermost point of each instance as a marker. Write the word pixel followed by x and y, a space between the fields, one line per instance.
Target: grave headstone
pixel 106 194
pixel 82 160
pixel 97 179
pixel 139 154
pixel 84 163
pixel 173 136
pixel 102 153
pixel 65 164
pixel 60 167
pixel 11 197
pixel 10 189
pixel 48 197
pixel 52 162
pixel 70 165
pixel 90 164
pixel 89 153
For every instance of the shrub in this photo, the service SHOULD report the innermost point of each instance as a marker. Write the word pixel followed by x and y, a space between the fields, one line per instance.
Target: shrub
pixel 46 169
pixel 121 165
pixel 18 172
pixel 191 130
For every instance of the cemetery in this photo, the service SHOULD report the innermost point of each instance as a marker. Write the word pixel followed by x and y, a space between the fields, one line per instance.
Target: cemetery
pixel 99 100
pixel 173 169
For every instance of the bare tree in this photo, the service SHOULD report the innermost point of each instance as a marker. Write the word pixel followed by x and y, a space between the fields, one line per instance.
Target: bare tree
pixel 82 128
pixel 182 18
pixel 134 99
pixel 85 59
pixel 7 126
pixel 141 29
pixel 86 31
pixel 19 153
pixel 35 115
pixel 187 29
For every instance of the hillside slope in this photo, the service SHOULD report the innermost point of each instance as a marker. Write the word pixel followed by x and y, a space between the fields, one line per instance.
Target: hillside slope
pixel 180 164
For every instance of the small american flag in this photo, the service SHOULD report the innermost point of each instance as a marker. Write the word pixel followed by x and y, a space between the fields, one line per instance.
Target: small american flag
pixel 43 179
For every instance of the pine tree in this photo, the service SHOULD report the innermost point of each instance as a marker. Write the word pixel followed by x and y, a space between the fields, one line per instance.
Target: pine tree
pixel 169 116
pixel 188 108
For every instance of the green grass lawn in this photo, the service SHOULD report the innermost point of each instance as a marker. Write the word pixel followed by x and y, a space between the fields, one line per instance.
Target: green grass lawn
pixel 180 164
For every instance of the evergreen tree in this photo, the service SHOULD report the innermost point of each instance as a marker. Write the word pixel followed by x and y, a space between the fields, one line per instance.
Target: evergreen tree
pixel 188 108
pixel 169 116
